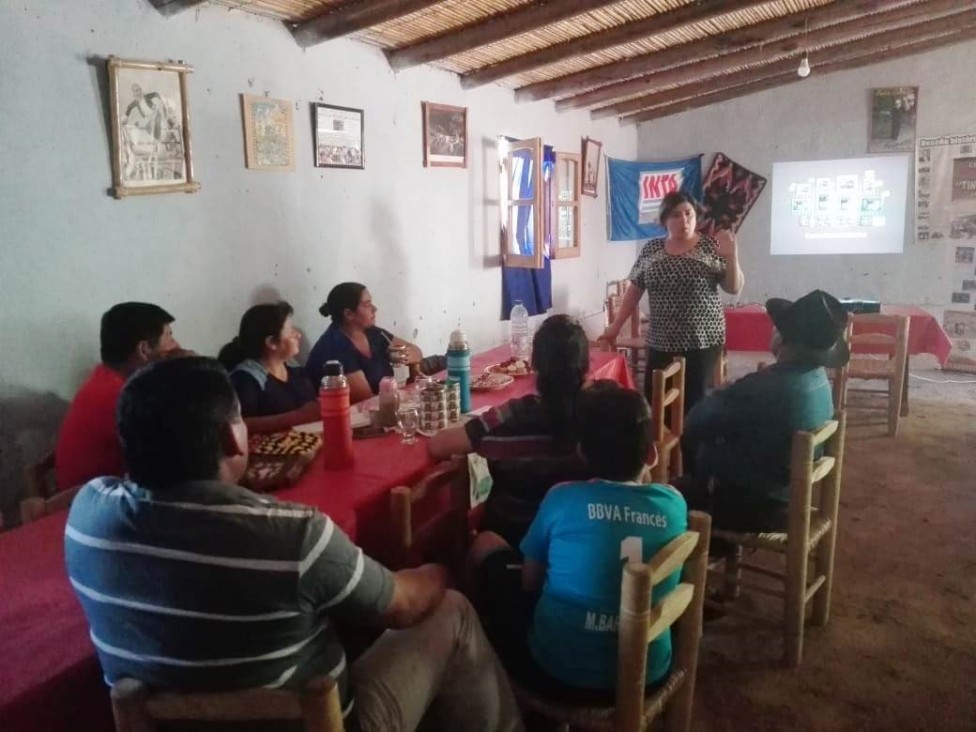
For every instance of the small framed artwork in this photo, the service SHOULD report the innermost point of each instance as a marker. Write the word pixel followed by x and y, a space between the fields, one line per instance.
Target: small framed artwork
pixel 150 120
pixel 445 136
pixel 269 133
pixel 591 166
pixel 339 133
pixel 961 297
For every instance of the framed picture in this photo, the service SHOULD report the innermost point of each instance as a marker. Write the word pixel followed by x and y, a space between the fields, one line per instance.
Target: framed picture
pixel 339 134
pixel 445 136
pixel 269 133
pixel 591 166
pixel 150 120
pixel 893 112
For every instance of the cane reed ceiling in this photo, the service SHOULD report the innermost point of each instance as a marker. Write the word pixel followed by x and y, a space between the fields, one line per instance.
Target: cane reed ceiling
pixel 634 59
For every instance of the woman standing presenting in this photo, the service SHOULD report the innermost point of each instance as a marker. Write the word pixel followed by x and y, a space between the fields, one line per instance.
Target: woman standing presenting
pixel 681 274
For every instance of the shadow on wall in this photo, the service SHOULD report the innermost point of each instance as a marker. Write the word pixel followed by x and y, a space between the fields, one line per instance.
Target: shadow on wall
pixel 29 423
pixel 390 294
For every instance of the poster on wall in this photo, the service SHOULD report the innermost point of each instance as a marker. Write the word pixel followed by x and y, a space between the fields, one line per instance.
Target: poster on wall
pixel 635 191
pixel 960 325
pixel 945 189
pixel 893 114
pixel 150 119
pixel 728 193
pixel 269 133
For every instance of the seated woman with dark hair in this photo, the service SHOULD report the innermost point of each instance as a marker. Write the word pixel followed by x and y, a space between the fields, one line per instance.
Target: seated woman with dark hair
pixel 274 395
pixel 529 442
pixel 354 340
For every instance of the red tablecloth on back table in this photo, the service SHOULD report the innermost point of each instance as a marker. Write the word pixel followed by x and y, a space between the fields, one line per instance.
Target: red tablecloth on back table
pixel 49 674
pixel 749 329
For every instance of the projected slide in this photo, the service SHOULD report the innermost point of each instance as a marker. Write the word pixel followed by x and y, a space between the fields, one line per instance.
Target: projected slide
pixel 854 206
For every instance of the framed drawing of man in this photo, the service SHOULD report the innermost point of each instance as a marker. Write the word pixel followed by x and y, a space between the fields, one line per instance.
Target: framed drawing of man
pixel 591 166
pixel 150 120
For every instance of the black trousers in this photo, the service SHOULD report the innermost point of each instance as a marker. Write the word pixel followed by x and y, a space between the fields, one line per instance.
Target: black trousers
pixel 699 367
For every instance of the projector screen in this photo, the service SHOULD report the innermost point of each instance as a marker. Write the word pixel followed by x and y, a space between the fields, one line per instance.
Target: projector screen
pixel 854 206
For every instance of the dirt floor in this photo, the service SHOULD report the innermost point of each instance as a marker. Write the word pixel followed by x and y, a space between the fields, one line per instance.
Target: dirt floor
pixel 899 652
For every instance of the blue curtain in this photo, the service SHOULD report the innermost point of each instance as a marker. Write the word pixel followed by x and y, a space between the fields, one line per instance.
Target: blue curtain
pixel 532 286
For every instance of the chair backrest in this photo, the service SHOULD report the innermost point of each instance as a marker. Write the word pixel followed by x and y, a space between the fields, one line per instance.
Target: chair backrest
pixel 807 470
pixel 641 622
pixel 631 328
pixel 137 709
pixel 668 395
pixel 35 507
pixel 878 333
pixel 39 478
pixel 447 517
pixel 838 376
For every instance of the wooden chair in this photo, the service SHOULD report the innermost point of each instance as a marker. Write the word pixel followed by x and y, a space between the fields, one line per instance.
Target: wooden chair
pixel 35 507
pixel 39 478
pixel 449 524
pixel 137 709
pixel 811 536
pixel 887 334
pixel 838 377
pixel 640 624
pixel 630 340
pixel 668 398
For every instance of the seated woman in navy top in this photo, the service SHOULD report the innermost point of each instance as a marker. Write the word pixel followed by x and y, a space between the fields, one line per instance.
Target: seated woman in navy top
pixel 273 394
pixel 354 340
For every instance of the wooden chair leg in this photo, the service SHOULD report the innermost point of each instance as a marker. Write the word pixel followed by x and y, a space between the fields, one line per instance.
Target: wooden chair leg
pixel 894 405
pixel 129 707
pixel 904 391
pixel 677 467
pixel 677 715
pixel 794 605
pixel 824 565
pixel 733 573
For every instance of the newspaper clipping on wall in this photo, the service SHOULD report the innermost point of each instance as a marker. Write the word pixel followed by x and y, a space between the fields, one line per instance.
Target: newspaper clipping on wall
pixel 960 325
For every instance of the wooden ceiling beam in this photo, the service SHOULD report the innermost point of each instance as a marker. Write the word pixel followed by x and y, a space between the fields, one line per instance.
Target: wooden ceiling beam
pixel 490 30
pixel 877 43
pixel 172 7
pixel 353 16
pixel 715 65
pixel 965 33
pixel 841 11
pixel 656 24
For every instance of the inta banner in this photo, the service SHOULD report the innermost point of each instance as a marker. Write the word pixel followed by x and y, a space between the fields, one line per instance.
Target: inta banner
pixel 635 191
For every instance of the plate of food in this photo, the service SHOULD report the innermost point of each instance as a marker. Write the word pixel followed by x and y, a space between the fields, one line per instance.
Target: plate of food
pixel 491 381
pixel 514 367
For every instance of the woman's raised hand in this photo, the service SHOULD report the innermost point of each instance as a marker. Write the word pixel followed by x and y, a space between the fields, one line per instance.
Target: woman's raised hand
pixel 726 244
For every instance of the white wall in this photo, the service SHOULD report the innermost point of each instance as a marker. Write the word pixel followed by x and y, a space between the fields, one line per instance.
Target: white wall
pixel 424 240
pixel 821 118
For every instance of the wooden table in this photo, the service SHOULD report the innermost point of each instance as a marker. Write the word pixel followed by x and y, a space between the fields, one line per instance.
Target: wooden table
pixel 49 675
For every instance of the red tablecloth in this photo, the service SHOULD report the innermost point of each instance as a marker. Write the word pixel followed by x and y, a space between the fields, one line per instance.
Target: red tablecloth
pixel 49 674
pixel 749 329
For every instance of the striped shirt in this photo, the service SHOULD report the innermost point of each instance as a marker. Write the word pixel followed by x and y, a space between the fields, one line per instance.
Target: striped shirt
pixel 524 460
pixel 209 586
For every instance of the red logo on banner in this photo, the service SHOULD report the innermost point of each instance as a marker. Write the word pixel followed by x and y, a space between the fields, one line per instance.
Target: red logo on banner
pixel 658 185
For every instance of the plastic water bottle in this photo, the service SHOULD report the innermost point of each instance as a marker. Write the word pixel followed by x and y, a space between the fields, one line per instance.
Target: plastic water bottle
pixel 459 367
pixel 336 418
pixel 521 337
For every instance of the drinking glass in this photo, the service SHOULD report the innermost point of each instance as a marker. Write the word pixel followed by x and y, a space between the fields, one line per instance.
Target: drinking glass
pixel 408 418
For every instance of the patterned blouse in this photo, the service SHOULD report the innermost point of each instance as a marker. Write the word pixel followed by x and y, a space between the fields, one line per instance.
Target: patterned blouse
pixel 686 313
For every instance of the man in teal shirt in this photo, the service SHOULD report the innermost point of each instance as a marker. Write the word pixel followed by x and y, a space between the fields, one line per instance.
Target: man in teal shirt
pixel 740 437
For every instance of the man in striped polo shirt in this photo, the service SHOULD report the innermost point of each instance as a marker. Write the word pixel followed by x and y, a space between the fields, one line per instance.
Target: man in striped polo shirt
pixel 189 581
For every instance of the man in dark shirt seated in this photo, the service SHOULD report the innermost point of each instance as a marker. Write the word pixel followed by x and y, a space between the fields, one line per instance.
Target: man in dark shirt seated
pixel 741 436
pixel 189 581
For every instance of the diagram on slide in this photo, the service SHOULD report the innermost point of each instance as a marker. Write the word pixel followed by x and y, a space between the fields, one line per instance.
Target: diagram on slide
pixel 840 201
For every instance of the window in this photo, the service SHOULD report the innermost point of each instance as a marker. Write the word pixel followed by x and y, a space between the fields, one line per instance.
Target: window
pixel 540 195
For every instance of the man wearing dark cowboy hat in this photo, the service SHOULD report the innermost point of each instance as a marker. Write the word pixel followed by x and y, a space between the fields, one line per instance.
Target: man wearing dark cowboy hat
pixel 741 435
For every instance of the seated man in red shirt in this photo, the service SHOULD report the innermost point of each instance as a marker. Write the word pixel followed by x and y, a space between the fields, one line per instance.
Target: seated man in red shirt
pixel 132 335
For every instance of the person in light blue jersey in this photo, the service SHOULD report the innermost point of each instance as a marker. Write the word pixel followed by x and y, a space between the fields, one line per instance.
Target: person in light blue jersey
pixel 552 608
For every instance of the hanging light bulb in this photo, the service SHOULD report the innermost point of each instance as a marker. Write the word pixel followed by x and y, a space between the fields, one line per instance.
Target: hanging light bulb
pixel 803 70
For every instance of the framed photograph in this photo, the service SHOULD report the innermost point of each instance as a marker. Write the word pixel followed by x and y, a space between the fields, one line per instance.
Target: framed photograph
pixel 269 133
pixel 445 136
pixel 893 113
pixel 150 119
pixel 339 135
pixel 961 297
pixel 591 166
